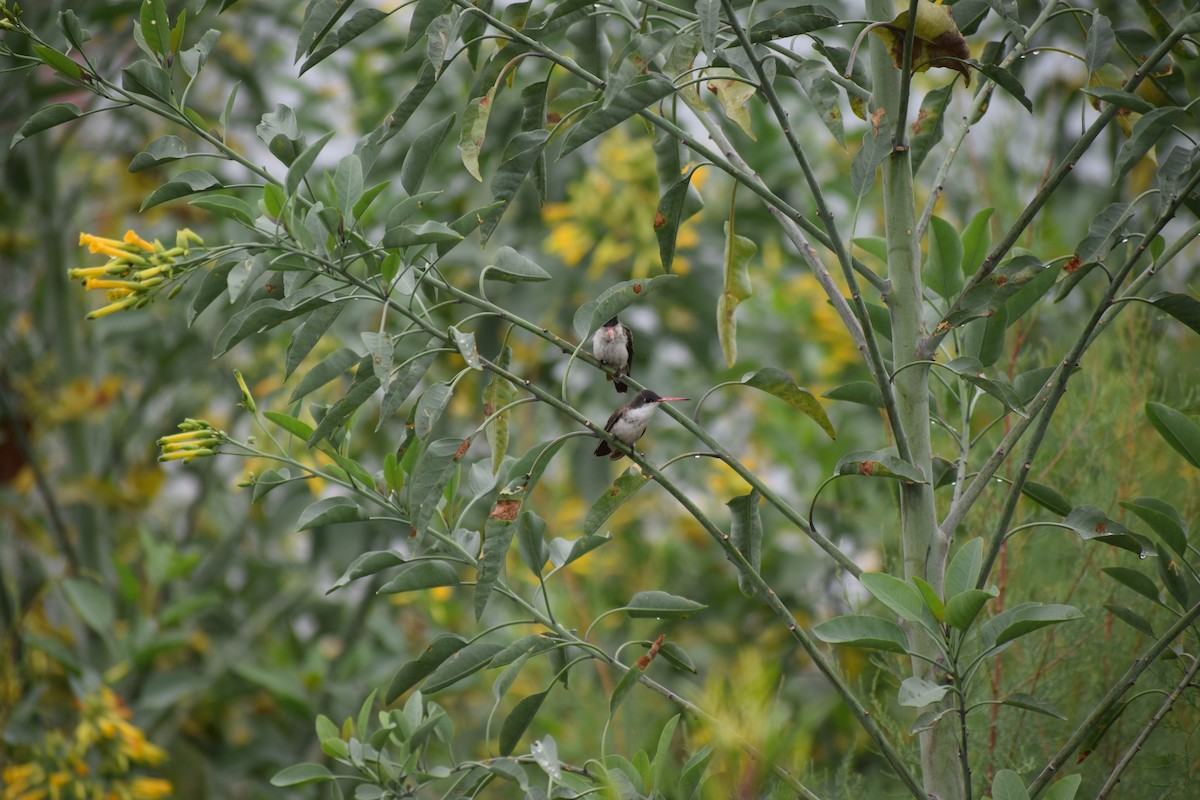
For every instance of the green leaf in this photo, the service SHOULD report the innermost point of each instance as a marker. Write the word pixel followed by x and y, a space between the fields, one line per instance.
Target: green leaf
pixel 465 343
pixel 183 184
pixel 211 287
pixel 497 393
pixel 301 774
pixel 943 266
pixel 362 21
pixel 793 21
pixel 330 511
pixel 1100 41
pixel 512 267
pixel 976 241
pixel 430 407
pixel 365 384
pixel 304 162
pixel 1047 497
pixel 964 569
pixel 876 146
pixel 623 488
pixel 676 656
pixel 964 607
pixel 1163 519
pixel 1008 82
pixel 661 755
pixel 1119 98
pixel 622 689
pixel 1103 231
pixel 531 541
pixel 679 202
pixel 472 131
pixel 1182 307
pixel 1030 703
pixel 862 631
pixel 520 154
pixel 156 27
pixel 429 232
pixel 421 575
pixel 147 79
pixel 594 313
pixel 1132 619
pixel 877 464
pixel 660 605
pixel 415 671
pixel 462 664
pixel 498 534
pixel 738 252
pixel 929 126
pixel 932 601
pixel 430 476
pixel 1023 619
pixel 1146 133
pixel 732 92
pixel 1180 432
pixel 897 595
pixel 918 692
pixel 333 365
pixel 290 424
pixel 775 381
pixel 226 206
pixel 46 118
pixel 641 92
pixel 516 723
pixel 92 603
pixel 1092 523
pixel 365 565
pixel 745 533
pixel 864 393
pixel 564 551
pixel 1064 789
pixel 420 155
pixel 1136 581
pixel 58 62
pixel 1007 785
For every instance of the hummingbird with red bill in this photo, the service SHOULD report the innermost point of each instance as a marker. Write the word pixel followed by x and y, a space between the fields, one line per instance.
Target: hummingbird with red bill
pixel 628 423
pixel 613 346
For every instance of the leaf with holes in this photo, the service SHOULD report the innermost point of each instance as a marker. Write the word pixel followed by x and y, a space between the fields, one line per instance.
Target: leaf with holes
pixel 775 381
pixel 878 464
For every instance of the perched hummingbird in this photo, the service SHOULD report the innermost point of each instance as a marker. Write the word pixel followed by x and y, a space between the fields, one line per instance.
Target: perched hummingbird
pixel 613 345
pixel 628 422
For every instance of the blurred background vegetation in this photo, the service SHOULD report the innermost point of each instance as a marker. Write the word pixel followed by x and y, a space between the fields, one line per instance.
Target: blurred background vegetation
pixel 174 634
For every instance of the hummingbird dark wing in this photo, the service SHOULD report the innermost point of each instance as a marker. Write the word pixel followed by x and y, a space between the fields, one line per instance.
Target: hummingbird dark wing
pixel 618 384
pixel 603 448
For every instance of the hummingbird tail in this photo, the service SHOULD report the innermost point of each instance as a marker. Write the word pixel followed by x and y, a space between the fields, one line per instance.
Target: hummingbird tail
pixel 620 387
pixel 603 449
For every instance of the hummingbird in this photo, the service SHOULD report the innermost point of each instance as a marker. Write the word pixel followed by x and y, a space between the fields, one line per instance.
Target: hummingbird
pixel 613 346
pixel 628 422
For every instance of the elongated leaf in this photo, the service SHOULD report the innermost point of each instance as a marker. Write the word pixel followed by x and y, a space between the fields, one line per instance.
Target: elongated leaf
pixel 862 631
pixel 1103 231
pixel 363 20
pixel 732 92
pixel 863 393
pixel 775 381
pixel 497 393
pixel 1132 619
pixel 677 203
pixel 498 534
pixel 521 153
pixel 1100 41
pixel 226 206
pixel 876 146
pixel 1008 82
pixel 932 601
pixel 622 689
pixel 330 367
pixel 290 424
pixel 517 722
pixel 421 154
pixel 304 162
pixel 162 150
pixel 1136 581
pixel 147 79
pixel 745 533
pixel 430 477
pixel 963 572
pixel 564 551
pixel 592 314
pixel 365 565
pixel 183 184
pixel 1164 519
pixel 1146 133
pixel 512 267
pixel 531 541
pixel 964 607
pixel 623 488
pixel 1047 497
pixel 976 241
pixel 462 664
pixel 330 511
pixel 472 131
pixel 1023 619
pixel 93 604
pixel 532 645
pixel 430 407
pixel 794 21
pixel 897 595
pixel 1180 432
pixel 302 774
pixel 1091 522
pixel 464 341
pixel 1030 703
pixel 365 384
pixel 929 128
pixel 918 692
pixel 1182 307
pixel 641 92
pixel 737 287
pixel 59 62
pixel 943 266
pixel 413 672
pixel 660 605
pixel 421 575
pixel 1122 99
pixel 403 385
pixel 877 464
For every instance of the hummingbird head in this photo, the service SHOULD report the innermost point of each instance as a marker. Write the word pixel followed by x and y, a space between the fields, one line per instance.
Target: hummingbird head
pixel 610 328
pixel 647 397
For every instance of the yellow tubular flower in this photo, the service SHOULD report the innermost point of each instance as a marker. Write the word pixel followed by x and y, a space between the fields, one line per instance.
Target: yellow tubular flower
pixel 132 238
pixel 95 241
pixel 112 308
pixel 102 283
pixel 150 788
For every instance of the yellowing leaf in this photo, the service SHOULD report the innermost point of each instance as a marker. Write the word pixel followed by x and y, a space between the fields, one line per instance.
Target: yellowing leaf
pixel 937 43
pixel 732 93
pixel 738 252
pixel 474 128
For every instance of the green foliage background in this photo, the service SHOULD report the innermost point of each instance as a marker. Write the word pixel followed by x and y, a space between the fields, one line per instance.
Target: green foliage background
pixel 207 613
